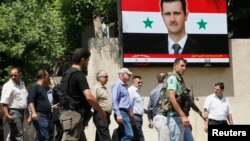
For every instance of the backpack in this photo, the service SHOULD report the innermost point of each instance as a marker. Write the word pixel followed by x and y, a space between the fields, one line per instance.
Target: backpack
pixel 61 91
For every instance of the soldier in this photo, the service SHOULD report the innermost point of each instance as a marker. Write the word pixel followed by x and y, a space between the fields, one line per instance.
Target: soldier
pixel 178 120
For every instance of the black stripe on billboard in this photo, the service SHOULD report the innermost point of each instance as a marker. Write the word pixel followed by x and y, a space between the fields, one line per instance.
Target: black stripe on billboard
pixel 144 43
pixel 140 43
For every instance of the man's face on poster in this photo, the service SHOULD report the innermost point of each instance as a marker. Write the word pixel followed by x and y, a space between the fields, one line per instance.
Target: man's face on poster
pixel 174 17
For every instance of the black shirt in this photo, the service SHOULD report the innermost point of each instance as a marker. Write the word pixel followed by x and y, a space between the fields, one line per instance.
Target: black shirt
pixel 77 84
pixel 38 96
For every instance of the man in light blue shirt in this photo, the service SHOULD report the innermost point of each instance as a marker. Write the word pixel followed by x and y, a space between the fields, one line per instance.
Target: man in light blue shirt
pixel 138 107
pixel 121 105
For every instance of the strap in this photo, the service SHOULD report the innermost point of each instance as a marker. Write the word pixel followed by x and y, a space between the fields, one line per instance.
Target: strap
pixel 67 86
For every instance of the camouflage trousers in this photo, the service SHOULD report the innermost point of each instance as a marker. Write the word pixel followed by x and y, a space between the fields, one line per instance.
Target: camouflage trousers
pixel 72 124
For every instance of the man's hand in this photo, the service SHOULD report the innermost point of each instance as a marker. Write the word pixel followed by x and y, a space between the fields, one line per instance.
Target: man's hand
pixel 150 125
pixel 8 118
pixel 119 119
pixel 56 107
pixel 185 121
pixel 34 116
pixel 206 125
pixel 102 115
pixel 132 120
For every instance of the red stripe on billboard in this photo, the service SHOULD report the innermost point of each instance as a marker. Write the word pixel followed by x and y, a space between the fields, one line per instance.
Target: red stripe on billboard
pixel 141 5
pixel 127 55
pixel 207 6
pixel 194 6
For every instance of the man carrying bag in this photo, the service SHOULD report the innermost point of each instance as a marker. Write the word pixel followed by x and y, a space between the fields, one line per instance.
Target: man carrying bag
pixel 77 98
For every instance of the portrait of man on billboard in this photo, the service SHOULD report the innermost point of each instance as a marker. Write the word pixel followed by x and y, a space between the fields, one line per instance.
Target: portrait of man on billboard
pixel 155 32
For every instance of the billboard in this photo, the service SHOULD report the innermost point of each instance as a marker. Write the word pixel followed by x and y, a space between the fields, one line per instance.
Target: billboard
pixel 147 33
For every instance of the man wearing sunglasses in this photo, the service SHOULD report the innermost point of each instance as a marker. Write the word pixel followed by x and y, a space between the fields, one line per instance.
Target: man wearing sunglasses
pixel 104 99
pixel 14 100
pixel 138 107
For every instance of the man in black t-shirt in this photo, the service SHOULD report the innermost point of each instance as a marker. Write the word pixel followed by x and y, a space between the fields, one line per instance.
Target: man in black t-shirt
pixel 39 105
pixel 78 90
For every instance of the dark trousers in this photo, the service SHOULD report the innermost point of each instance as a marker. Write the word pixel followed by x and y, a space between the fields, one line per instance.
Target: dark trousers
pixel 102 127
pixel 42 126
pixel 59 131
pixel 55 125
pixel 217 122
pixel 137 128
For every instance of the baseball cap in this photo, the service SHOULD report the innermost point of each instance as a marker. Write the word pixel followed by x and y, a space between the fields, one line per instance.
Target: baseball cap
pixel 125 70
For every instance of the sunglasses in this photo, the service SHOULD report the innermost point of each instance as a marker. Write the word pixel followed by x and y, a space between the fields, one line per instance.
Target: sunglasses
pixel 13 75
pixel 104 76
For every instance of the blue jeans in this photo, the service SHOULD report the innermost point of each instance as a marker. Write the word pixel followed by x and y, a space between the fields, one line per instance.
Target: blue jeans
pixel 125 130
pixel 188 136
pixel 176 128
pixel 42 127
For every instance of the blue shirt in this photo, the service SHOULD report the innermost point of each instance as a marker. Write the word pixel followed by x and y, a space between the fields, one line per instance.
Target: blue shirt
pixel 120 97
pixel 154 107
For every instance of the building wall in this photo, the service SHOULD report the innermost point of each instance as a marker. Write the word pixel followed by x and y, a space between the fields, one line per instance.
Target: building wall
pixel 236 79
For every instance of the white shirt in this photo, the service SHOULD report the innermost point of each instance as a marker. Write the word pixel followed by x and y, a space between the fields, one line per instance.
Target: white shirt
pixel 136 100
pixel 50 96
pixel 14 95
pixel 181 43
pixel 218 109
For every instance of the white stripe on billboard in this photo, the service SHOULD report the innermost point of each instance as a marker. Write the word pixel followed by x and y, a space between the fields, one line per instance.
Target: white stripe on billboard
pixel 170 60
pixel 133 22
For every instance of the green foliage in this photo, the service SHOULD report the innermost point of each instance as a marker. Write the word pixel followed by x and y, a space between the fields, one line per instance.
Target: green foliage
pixel 37 34
pixel 79 13
pixel 31 36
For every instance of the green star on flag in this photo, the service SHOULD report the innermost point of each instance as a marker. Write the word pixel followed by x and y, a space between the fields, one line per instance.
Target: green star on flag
pixel 202 24
pixel 148 23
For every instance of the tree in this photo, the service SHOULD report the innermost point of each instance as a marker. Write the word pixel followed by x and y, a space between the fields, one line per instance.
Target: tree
pixel 37 34
pixel 79 13
pixel 32 36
